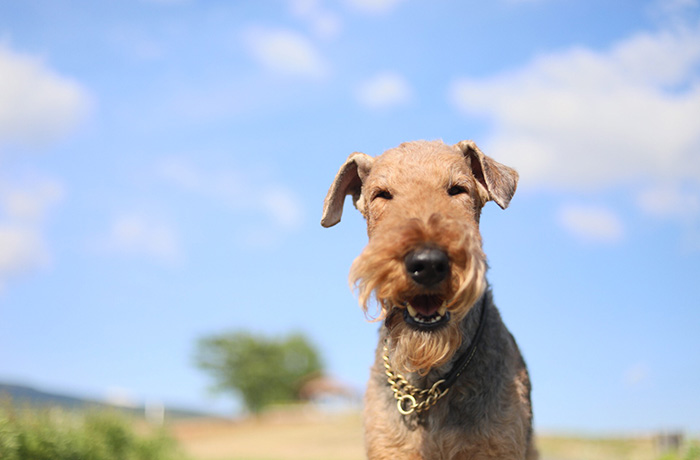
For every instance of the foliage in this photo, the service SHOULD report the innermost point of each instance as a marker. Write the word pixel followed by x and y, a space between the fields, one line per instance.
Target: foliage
pixel 692 453
pixel 60 435
pixel 261 370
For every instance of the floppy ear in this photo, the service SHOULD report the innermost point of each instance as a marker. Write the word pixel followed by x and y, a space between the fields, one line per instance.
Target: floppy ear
pixel 499 180
pixel 348 181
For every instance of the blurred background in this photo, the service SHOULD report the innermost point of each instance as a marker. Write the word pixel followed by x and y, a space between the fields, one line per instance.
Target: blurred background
pixel 163 165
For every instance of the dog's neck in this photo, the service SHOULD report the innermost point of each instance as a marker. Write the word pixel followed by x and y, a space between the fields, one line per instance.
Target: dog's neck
pixel 472 326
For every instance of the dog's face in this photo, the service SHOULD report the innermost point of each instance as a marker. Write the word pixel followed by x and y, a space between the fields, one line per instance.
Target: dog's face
pixel 423 263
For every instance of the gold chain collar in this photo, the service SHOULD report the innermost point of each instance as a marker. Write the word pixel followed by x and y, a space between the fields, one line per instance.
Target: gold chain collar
pixel 407 395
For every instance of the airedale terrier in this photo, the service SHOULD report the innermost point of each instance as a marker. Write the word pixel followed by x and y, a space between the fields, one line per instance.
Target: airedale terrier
pixel 449 381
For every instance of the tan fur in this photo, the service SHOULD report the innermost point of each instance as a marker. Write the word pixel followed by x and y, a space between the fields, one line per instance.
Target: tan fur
pixel 379 270
pixel 428 194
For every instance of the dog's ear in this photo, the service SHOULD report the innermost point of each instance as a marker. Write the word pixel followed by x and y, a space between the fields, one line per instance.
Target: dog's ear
pixel 348 181
pixel 499 180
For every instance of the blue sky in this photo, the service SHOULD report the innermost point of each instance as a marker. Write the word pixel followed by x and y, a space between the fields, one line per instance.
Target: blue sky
pixel 163 166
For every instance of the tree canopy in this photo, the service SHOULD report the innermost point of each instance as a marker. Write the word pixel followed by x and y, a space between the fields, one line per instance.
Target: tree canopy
pixel 261 370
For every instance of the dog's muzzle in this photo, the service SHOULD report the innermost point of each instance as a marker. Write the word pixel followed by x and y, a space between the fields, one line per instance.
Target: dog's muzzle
pixel 428 267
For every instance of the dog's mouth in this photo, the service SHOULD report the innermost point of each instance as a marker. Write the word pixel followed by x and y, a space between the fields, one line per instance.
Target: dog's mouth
pixel 426 312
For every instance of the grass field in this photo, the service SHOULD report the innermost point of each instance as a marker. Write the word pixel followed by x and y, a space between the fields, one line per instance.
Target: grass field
pixel 293 433
pixel 313 436
pixel 305 436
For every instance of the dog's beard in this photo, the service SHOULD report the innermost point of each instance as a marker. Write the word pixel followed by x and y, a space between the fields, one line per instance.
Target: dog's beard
pixel 379 272
pixel 416 350
pixel 413 350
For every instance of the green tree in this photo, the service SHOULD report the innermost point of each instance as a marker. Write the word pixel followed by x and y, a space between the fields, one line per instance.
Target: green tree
pixel 261 370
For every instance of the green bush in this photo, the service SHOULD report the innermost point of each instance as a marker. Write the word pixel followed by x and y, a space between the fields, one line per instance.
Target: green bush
pixel 60 435
pixel 691 453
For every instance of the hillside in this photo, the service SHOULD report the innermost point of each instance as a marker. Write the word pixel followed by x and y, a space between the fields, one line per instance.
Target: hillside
pixel 22 395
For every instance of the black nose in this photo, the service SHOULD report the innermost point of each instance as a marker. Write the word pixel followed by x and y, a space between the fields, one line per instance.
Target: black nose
pixel 427 266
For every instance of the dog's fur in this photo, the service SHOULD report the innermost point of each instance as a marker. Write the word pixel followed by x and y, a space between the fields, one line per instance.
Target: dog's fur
pixel 423 196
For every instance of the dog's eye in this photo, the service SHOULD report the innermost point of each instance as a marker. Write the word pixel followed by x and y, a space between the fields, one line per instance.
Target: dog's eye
pixel 456 190
pixel 383 194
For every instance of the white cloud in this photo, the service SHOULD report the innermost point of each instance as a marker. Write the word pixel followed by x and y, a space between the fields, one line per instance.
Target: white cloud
pixel 22 249
pixel 285 52
pixel 323 22
pixel 374 6
pixel 384 90
pixel 669 201
pixel 138 235
pixel 588 119
pixel 181 173
pixel 23 210
pixel 29 204
pixel 591 223
pixel 676 202
pixel 276 203
pixel 282 206
pixel 36 104
pixel 136 43
pixel 673 10
pixel 636 374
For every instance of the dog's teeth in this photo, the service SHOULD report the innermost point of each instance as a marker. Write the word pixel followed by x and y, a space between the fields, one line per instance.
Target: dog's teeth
pixel 412 311
pixel 442 310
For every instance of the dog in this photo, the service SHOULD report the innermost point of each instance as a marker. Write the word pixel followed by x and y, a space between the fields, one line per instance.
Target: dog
pixel 448 381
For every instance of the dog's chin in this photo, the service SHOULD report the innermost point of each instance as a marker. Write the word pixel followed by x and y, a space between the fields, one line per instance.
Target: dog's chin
pixel 423 334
